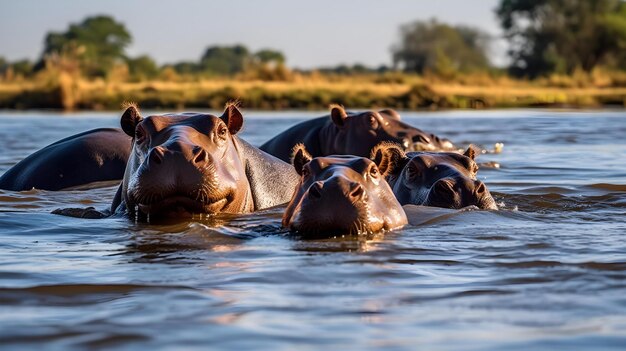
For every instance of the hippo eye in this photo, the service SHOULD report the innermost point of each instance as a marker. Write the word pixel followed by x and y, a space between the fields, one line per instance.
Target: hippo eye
pixel 139 136
pixel 374 173
pixel 412 172
pixel 373 122
pixel 305 172
pixel 222 131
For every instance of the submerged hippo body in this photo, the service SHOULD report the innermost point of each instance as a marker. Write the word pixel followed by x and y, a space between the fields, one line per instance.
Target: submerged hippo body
pixel 440 179
pixel 92 156
pixel 194 163
pixel 342 194
pixel 352 134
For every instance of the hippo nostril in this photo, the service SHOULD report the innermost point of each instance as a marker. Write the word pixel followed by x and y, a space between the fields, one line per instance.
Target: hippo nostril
pixel 356 190
pixel 156 155
pixel 480 188
pixel 444 188
pixel 420 139
pixel 201 155
pixel 315 190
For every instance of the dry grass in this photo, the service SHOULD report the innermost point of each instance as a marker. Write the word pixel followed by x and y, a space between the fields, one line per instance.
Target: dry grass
pixel 65 91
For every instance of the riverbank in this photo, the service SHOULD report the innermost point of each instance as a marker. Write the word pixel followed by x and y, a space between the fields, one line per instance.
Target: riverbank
pixel 65 93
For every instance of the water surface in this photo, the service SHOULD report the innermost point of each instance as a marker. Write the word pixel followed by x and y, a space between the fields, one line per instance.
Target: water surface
pixel 546 272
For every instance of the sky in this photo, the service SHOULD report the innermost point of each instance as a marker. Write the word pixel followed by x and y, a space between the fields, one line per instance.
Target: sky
pixel 309 33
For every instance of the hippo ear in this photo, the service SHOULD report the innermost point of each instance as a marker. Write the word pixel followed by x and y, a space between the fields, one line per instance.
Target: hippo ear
pixel 300 157
pixel 233 118
pixel 338 115
pixel 130 119
pixel 470 152
pixel 387 156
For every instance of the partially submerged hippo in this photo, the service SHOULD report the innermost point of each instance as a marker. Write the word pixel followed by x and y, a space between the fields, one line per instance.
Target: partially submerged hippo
pixel 342 133
pixel 187 163
pixel 92 156
pixel 342 194
pixel 441 179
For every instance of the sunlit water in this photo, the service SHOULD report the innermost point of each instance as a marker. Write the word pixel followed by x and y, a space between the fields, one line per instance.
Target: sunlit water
pixel 548 271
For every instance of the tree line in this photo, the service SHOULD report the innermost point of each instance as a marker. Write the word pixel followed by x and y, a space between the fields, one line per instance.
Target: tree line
pixel 544 37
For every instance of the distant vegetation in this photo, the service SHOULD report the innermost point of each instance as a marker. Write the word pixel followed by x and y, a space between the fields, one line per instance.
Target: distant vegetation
pixel 433 47
pixel 562 53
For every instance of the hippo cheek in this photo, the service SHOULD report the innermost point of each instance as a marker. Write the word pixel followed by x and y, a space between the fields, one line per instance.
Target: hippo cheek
pixel 388 211
pixel 408 193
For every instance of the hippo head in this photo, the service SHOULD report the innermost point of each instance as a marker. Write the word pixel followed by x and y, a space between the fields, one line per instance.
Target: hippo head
pixel 441 179
pixel 358 133
pixel 342 194
pixel 184 164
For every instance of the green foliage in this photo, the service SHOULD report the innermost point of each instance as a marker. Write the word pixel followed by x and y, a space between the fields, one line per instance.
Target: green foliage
pixel 186 67
pixel 432 46
pixel 142 67
pixel 97 42
pixel 11 70
pixel 356 69
pixel 560 36
pixel 266 64
pixel 22 67
pixel 269 56
pixel 225 60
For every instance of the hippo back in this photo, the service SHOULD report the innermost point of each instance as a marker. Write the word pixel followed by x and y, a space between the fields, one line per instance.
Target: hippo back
pixel 272 181
pixel 91 156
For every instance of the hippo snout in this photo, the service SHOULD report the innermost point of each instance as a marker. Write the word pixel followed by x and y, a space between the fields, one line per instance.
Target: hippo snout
pixel 178 152
pixel 459 193
pixel 336 189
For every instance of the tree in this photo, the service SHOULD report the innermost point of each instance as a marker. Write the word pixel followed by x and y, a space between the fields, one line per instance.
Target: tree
pixel 98 42
pixel 225 60
pixel 186 67
pixel 142 67
pixel 22 67
pixel 425 46
pixel 563 35
pixel 269 56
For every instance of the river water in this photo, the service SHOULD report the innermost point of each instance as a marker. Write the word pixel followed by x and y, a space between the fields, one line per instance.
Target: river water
pixel 547 272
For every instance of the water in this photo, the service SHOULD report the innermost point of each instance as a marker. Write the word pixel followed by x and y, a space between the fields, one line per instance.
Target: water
pixel 547 272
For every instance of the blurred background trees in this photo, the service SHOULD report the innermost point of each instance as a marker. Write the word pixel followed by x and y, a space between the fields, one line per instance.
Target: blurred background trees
pixel 561 36
pixel 441 49
pixel 97 43
pixel 545 38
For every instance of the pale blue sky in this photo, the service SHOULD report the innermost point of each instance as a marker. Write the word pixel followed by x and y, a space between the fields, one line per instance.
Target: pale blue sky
pixel 310 33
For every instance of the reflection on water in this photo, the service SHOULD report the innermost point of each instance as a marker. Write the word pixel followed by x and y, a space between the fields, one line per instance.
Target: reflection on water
pixel 546 272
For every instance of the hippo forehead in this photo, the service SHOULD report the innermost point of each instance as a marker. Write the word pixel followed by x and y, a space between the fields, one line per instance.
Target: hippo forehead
pixel 434 159
pixel 391 126
pixel 384 119
pixel 199 121
pixel 338 162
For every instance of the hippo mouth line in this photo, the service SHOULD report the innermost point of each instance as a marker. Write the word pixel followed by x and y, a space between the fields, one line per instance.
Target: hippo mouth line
pixel 357 223
pixel 183 204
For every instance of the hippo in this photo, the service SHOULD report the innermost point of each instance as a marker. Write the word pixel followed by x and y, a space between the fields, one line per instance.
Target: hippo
pixel 344 133
pixel 93 156
pixel 440 179
pixel 342 194
pixel 187 163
